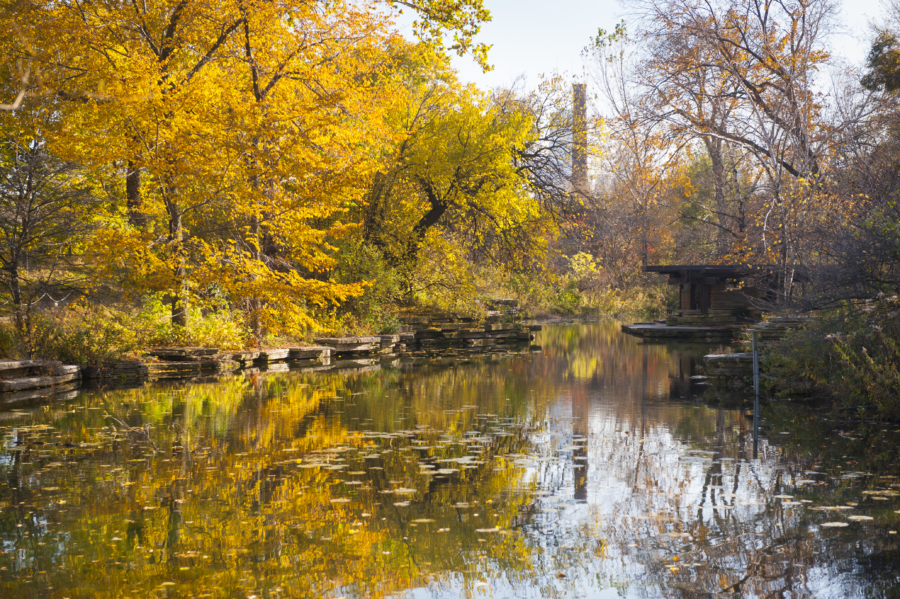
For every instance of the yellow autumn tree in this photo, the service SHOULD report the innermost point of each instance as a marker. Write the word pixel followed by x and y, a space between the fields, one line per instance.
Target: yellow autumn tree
pixel 452 194
pixel 242 132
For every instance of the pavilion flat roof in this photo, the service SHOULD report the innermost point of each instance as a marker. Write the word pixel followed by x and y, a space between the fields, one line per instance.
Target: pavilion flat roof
pixel 720 270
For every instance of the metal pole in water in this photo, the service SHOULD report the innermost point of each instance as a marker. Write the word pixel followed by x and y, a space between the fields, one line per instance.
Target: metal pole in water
pixel 755 397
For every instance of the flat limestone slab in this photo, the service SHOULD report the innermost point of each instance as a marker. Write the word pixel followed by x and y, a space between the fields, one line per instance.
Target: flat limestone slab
pixel 19 364
pixel 333 341
pixel 182 352
pixel 474 334
pixel 64 369
pixel 273 355
pixel 352 349
pixel 309 352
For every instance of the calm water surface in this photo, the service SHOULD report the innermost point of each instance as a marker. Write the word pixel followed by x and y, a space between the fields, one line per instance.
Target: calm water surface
pixel 588 470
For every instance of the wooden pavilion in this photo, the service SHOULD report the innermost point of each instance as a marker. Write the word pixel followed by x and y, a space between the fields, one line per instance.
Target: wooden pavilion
pixel 706 288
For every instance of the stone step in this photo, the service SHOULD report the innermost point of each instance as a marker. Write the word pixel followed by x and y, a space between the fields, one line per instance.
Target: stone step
pixel 170 353
pixel 23 364
pixel 355 349
pixel 242 356
pixel 501 326
pixel 310 352
pixel 273 355
pixel 332 341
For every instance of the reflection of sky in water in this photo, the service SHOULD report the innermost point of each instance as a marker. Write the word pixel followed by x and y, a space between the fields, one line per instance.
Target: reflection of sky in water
pixel 588 470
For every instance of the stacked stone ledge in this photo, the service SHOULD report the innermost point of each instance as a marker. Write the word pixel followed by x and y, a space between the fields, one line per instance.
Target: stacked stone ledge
pixel 429 335
pixel 25 375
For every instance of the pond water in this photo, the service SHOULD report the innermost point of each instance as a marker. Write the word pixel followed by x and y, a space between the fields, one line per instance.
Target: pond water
pixel 591 469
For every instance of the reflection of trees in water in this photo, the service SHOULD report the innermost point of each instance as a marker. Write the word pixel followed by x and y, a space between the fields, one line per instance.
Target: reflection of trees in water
pixel 228 507
pixel 588 429
pixel 655 507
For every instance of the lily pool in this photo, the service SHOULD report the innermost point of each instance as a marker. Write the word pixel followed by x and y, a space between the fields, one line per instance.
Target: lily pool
pixel 594 468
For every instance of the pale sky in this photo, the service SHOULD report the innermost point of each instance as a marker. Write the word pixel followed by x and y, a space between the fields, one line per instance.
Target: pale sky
pixel 531 37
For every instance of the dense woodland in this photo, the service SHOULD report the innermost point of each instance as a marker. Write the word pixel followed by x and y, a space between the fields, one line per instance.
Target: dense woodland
pixel 239 173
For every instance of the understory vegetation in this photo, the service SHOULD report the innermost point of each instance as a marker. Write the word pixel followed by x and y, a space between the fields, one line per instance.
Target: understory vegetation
pixel 849 357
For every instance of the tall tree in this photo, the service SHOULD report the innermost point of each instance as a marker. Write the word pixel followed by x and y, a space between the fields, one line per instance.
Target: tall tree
pixel 44 208
pixel 242 130
pixel 454 175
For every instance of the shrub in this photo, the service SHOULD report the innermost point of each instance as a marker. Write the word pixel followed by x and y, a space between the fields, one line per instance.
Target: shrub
pixel 77 335
pixel 213 325
pixel 375 310
pixel 852 355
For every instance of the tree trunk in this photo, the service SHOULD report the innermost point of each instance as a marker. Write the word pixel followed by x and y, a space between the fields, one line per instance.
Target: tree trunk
pixel 644 241
pixel 15 291
pixel 176 240
pixel 714 151
pixel 428 220
pixel 133 199
pixel 255 303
